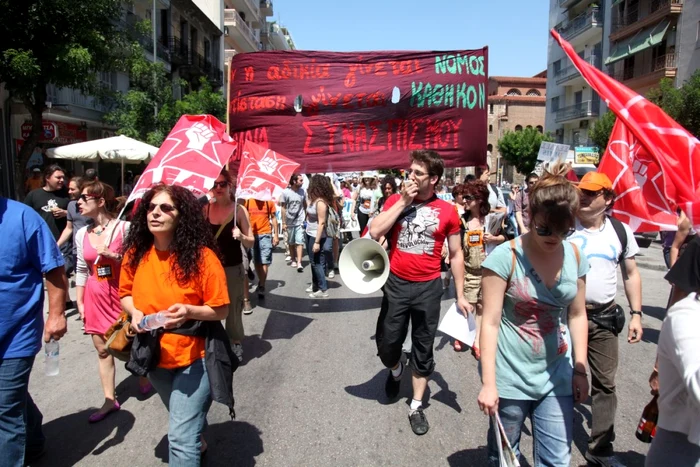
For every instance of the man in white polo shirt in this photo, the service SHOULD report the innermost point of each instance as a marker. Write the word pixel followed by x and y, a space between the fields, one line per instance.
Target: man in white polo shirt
pixel 606 242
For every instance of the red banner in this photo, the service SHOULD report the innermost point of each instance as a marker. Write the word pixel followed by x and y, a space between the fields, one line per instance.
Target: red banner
pixel 263 173
pixel 191 156
pixel 663 142
pixel 57 132
pixel 340 112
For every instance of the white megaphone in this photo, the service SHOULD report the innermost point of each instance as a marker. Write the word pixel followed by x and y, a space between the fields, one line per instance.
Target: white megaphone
pixel 364 266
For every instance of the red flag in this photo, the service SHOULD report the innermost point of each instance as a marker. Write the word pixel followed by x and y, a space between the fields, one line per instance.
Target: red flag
pixel 191 156
pixel 263 173
pixel 663 142
pixel 638 182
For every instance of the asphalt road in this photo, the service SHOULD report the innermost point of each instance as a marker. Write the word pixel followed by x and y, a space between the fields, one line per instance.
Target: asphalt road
pixel 310 392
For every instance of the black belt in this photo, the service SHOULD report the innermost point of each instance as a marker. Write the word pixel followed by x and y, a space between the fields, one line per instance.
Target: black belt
pixel 594 308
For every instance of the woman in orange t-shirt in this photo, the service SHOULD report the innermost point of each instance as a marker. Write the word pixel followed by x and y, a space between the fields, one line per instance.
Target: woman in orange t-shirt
pixel 169 266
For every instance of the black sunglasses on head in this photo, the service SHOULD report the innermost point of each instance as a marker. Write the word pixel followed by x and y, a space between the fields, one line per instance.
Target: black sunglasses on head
pixel 547 232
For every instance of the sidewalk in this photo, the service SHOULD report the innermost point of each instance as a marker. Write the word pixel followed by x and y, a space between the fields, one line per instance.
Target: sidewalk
pixel 652 257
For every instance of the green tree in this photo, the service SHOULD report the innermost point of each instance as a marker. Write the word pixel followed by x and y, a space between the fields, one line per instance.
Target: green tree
pixel 151 88
pixel 600 133
pixel 681 104
pixel 60 42
pixel 520 148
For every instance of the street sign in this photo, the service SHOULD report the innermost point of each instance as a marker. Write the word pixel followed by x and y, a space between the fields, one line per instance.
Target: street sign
pixel 586 155
pixel 552 152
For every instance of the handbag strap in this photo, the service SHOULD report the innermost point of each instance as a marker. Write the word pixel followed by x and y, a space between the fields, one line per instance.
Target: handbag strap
pixel 229 218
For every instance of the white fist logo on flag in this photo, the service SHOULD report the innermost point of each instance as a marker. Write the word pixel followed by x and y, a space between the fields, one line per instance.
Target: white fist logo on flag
pixel 267 165
pixel 198 136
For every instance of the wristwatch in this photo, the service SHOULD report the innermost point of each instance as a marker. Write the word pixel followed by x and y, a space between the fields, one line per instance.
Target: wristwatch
pixel 635 312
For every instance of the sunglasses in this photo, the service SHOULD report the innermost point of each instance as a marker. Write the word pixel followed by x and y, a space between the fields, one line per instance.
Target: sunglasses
pixel 164 207
pixel 591 193
pixel 468 198
pixel 223 184
pixel 87 198
pixel 547 232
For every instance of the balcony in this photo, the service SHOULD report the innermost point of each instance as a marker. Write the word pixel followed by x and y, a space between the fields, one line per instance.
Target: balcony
pixel 663 66
pixel 570 73
pixel 61 97
pixel 277 38
pixel 633 21
pixel 228 55
pixel 132 26
pixel 266 8
pixel 240 30
pixel 590 22
pixel 567 3
pixel 179 51
pixel 250 10
pixel 585 109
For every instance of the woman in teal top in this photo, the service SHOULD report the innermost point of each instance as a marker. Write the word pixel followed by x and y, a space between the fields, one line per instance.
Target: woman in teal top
pixel 534 332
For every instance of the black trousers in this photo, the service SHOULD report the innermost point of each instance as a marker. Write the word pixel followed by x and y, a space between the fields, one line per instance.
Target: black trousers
pixel 418 302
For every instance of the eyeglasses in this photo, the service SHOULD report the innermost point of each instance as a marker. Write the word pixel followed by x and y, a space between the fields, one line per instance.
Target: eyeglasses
pixel 547 232
pixel 591 193
pixel 87 198
pixel 468 198
pixel 164 207
pixel 223 184
pixel 417 173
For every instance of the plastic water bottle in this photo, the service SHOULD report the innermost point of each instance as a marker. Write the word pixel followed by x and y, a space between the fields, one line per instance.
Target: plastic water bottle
pixel 153 321
pixel 51 362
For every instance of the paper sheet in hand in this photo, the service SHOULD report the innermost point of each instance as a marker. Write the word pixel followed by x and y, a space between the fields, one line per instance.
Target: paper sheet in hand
pixel 454 324
pixel 506 456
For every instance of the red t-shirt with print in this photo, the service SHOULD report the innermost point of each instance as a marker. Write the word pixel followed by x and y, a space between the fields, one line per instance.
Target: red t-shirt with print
pixel 417 239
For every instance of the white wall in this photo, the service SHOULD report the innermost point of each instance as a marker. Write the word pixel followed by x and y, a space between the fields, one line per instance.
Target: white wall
pixel 687 43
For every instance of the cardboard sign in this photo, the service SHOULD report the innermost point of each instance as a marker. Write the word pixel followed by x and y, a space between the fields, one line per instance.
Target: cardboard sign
pixel 338 112
pixel 552 152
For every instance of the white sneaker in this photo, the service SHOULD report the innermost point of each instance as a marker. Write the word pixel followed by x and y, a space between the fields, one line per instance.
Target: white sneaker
pixel 294 264
pixel 310 289
pixel 287 258
pixel 318 294
pixel 331 274
pixel 300 268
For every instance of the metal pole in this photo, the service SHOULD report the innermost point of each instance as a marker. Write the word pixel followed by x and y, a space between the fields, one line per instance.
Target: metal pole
pixel 155 59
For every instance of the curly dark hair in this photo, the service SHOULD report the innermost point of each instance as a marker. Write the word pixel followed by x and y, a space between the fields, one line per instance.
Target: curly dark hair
pixel 320 188
pixel 480 192
pixel 191 236
pixel 389 180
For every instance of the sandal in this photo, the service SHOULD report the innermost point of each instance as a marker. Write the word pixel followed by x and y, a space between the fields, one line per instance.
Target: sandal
pixel 476 353
pixel 457 346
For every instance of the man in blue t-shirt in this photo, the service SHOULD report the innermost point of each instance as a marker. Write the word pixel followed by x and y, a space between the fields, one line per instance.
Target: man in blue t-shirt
pixel 28 251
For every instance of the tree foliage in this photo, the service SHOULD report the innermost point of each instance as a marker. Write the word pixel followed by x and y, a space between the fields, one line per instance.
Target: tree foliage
pixel 601 130
pixel 60 42
pixel 681 104
pixel 520 148
pixel 151 89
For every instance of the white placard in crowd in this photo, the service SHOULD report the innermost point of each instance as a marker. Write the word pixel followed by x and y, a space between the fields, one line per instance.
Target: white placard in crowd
pixel 552 152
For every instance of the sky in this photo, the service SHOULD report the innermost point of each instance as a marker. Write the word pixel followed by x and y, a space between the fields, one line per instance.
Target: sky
pixel 515 31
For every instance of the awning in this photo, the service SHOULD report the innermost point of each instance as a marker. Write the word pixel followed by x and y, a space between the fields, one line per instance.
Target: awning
pixel 639 42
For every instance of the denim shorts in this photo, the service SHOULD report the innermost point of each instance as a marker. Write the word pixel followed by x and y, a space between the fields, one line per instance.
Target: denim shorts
pixel 295 235
pixel 262 249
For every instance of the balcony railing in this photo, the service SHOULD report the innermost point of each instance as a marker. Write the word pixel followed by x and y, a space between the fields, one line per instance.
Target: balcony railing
pixel 232 18
pixel 660 63
pixel 570 72
pixel 251 5
pixel 68 96
pixel 583 109
pixel 633 15
pixel 581 23
pixel 567 3
pixel 266 8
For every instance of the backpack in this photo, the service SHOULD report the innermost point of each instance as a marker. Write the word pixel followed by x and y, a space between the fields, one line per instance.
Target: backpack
pixel 622 236
pixel 332 221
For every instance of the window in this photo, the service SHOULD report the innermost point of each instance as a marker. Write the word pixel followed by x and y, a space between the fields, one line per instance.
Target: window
pixel 490 128
pixel 540 129
pixel 555 104
pixel 491 109
pixel 556 67
pixel 518 128
pixel 533 92
pixel 529 126
pixel 513 92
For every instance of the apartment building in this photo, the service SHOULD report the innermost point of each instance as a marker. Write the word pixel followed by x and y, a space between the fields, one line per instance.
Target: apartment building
pixel 638 42
pixel 188 41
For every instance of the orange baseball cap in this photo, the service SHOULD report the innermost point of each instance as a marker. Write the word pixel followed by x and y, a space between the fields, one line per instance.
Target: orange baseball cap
pixel 595 181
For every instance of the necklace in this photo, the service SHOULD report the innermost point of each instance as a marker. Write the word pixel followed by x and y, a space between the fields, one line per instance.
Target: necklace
pixel 104 227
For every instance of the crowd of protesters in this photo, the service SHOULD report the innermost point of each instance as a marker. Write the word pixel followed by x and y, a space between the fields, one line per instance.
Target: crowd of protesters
pixel 540 277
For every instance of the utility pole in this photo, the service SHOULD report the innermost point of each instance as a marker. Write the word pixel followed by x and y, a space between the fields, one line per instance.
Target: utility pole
pixel 154 19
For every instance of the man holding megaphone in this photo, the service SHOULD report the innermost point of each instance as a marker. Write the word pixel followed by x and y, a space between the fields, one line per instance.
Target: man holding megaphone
pixel 416 224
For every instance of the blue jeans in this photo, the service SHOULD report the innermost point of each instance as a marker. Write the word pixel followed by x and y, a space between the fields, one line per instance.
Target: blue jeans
pixel 20 419
pixel 185 393
pixel 318 261
pixel 552 425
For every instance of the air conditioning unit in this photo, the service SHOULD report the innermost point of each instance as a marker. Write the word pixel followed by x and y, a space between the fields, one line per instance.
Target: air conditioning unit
pixel 560 132
pixel 225 30
pixel 583 124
